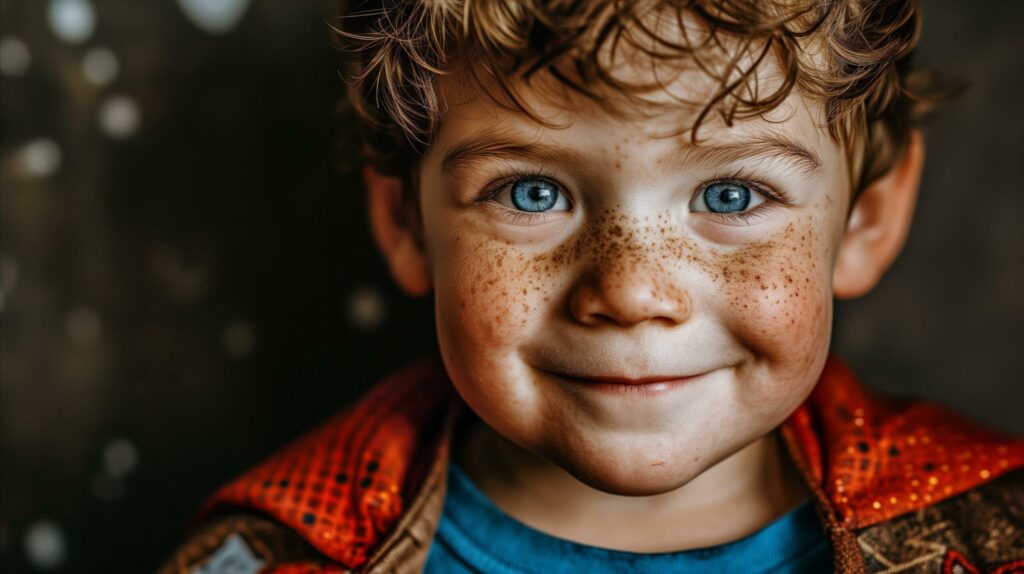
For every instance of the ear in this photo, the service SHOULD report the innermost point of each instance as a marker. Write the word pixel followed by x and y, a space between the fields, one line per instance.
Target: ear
pixel 878 224
pixel 397 229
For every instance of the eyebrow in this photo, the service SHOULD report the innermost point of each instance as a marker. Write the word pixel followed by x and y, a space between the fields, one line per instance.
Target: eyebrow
pixel 501 144
pixel 767 146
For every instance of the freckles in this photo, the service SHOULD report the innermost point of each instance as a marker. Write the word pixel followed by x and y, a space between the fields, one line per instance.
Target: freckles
pixel 620 248
pixel 775 289
pixel 770 292
pixel 487 295
pixel 498 291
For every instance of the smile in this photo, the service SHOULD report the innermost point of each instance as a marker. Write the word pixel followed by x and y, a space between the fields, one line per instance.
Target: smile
pixel 652 385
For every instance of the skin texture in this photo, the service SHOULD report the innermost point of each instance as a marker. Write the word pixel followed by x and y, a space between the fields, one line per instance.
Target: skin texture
pixel 630 279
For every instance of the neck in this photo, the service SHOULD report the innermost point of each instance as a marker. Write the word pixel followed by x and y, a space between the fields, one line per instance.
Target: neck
pixel 730 500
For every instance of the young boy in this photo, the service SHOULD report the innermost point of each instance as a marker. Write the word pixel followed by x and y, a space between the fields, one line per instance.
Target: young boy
pixel 633 218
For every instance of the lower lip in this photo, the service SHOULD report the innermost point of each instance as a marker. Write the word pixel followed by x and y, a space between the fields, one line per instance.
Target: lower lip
pixel 629 389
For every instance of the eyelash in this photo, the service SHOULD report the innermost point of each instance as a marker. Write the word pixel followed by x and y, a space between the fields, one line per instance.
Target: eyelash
pixel 775 198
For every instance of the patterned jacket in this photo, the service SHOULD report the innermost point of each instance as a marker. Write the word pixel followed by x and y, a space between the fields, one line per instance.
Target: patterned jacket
pixel 900 486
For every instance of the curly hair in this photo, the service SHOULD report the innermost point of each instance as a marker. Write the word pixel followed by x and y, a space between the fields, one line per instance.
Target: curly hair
pixel 853 56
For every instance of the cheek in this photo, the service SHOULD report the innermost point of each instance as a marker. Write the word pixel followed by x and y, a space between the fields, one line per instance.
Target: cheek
pixel 777 296
pixel 490 298
pixel 488 295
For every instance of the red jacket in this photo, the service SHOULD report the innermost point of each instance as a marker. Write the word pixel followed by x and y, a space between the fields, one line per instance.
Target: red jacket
pixel 900 486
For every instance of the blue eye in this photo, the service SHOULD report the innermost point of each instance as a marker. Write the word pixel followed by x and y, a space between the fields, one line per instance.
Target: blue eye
pixel 535 195
pixel 727 197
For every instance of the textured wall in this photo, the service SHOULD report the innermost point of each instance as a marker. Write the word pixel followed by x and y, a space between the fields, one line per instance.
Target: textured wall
pixel 188 282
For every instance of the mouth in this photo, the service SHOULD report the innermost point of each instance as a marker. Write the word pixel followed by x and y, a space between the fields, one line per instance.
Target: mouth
pixel 643 386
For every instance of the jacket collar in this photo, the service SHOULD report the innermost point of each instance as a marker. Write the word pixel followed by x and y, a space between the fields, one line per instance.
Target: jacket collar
pixel 347 486
pixel 877 457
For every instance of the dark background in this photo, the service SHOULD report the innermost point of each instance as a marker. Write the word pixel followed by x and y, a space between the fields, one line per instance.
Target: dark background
pixel 188 280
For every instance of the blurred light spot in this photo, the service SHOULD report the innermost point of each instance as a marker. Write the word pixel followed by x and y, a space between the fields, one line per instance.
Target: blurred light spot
pixel 366 308
pixel 99 66
pixel 120 117
pixel 105 488
pixel 185 280
pixel 214 16
pixel 83 326
pixel 72 20
pixel 40 157
pixel 239 339
pixel 45 545
pixel 14 56
pixel 120 457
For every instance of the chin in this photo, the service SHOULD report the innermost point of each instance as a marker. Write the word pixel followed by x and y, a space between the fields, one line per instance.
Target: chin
pixel 614 475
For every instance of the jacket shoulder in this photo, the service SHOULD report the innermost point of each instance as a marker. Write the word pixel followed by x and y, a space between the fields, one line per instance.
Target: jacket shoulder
pixel 341 489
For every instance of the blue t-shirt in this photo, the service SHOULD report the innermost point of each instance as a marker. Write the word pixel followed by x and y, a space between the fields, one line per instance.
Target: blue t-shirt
pixel 476 536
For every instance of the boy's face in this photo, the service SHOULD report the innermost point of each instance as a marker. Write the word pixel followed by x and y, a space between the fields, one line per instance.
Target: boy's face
pixel 627 305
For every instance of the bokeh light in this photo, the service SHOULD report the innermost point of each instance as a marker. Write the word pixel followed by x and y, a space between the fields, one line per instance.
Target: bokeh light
pixel 45 545
pixel 15 58
pixel 214 16
pixel 73 21
pixel 40 158
pixel 100 66
pixel 366 308
pixel 120 117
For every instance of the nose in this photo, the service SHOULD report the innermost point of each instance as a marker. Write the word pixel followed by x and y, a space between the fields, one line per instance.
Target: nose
pixel 628 293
